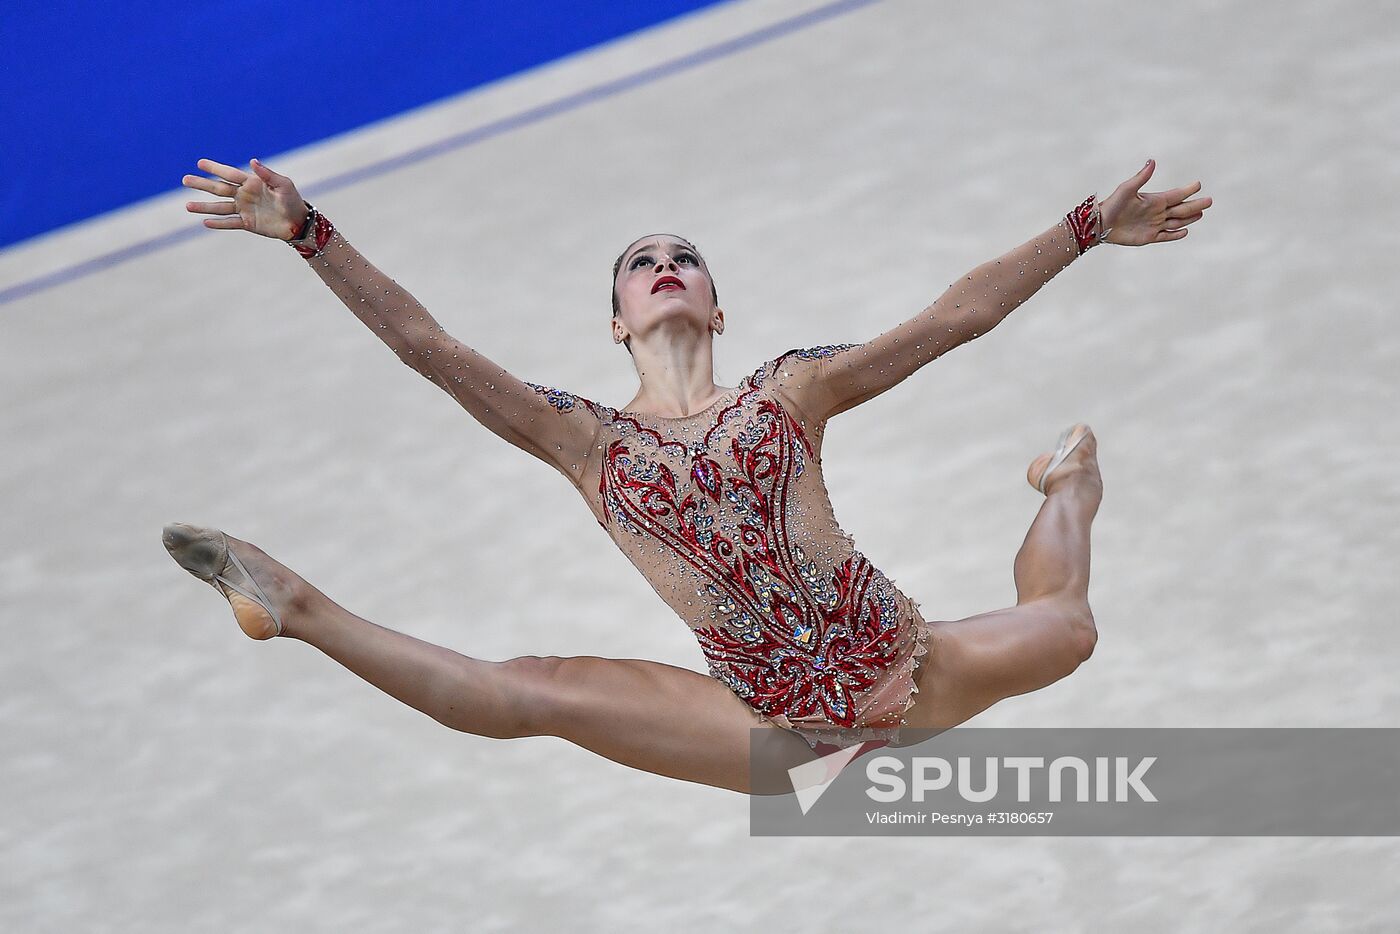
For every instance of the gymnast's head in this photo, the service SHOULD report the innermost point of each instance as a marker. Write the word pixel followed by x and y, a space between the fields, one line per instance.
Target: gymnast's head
pixel 644 298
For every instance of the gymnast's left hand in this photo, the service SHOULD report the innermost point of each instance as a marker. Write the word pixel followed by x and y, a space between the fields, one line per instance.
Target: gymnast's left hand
pixel 1137 217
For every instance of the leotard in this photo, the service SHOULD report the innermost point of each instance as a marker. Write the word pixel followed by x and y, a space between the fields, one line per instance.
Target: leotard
pixel 724 511
pixel 726 515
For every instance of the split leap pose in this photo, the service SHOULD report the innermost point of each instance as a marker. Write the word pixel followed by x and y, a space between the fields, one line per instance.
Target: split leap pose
pixel 716 495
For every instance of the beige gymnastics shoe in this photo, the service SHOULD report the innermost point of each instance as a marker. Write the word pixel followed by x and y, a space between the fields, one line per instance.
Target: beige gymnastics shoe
pixel 1045 464
pixel 205 553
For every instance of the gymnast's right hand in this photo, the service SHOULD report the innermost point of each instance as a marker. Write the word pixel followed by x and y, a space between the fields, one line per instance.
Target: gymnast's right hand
pixel 263 202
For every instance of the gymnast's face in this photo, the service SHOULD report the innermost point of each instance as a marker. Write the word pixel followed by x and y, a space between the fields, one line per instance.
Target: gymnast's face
pixel 658 278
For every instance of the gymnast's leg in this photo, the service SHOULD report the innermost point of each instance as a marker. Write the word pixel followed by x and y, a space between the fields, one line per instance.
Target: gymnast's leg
pixel 973 663
pixel 650 716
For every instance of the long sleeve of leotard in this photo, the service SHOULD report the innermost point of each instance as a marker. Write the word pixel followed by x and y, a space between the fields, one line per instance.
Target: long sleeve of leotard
pixel 528 417
pixel 828 380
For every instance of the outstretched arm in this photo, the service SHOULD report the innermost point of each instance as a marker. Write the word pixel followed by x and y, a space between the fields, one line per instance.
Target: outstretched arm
pixel 828 383
pixel 509 407
pixel 268 204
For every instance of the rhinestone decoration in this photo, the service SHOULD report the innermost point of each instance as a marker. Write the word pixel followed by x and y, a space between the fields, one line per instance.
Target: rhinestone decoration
pixel 725 512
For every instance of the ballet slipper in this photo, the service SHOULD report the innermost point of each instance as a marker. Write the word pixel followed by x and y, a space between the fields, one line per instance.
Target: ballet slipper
pixel 205 553
pixel 1062 450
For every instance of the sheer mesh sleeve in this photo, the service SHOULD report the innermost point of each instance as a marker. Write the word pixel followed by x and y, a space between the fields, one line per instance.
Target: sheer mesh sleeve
pixel 538 419
pixel 824 381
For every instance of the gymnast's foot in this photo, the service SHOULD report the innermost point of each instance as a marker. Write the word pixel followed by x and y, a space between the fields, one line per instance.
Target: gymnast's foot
pixel 1078 471
pixel 266 596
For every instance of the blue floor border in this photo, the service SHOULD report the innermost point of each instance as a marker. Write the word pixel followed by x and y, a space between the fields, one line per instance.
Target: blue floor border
pixel 458 141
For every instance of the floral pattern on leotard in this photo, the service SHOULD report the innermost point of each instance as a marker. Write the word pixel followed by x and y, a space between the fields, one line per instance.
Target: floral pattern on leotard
pixel 561 400
pixel 825 350
pixel 790 640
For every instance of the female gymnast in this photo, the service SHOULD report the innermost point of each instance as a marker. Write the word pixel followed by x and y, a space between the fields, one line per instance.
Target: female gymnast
pixel 716 495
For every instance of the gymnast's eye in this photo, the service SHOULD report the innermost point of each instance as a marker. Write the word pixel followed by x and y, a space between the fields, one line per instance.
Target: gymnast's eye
pixel 689 256
pixel 637 259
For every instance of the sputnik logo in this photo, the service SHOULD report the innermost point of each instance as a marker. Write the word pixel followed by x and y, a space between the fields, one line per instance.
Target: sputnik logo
pixel 810 780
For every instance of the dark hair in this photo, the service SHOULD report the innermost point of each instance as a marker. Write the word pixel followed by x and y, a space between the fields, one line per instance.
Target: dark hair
pixel 617 307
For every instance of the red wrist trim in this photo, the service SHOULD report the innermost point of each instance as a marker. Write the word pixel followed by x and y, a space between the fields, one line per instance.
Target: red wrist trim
pixel 1086 223
pixel 322 230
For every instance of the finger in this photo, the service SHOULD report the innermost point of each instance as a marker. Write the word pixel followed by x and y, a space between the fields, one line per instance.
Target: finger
pixel 1137 181
pixel 211 207
pixel 1180 194
pixel 212 185
pixel 265 173
pixel 227 172
pixel 1187 208
pixel 224 223
pixel 1178 222
pixel 1162 237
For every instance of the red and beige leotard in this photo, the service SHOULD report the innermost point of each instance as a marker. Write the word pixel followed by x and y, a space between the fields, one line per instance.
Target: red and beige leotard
pixel 725 511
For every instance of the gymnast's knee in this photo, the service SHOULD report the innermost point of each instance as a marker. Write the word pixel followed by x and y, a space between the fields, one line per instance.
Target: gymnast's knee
pixel 1084 634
